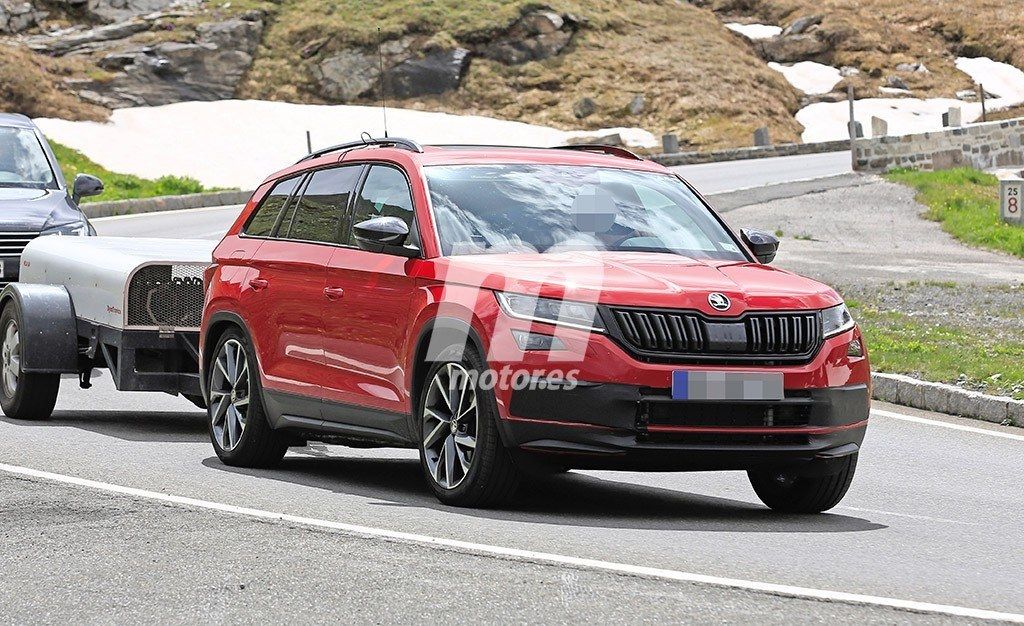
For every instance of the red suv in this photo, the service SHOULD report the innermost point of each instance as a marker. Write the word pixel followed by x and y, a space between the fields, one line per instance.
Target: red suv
pixel 520 310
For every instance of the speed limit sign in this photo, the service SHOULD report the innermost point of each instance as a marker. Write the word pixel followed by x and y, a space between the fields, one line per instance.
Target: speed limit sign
pixel 1012 200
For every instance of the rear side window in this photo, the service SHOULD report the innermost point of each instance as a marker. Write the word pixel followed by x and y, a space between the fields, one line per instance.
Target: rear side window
pixel 317 216
pixel 261 224
pixel 386 193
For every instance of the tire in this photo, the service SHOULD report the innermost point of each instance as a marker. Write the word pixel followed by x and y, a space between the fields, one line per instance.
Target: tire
pixel 466 464
pixel 789 493
pixel 22 396
pixel 239 430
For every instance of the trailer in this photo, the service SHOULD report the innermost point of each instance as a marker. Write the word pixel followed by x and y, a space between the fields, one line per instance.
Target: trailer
pixel 132 306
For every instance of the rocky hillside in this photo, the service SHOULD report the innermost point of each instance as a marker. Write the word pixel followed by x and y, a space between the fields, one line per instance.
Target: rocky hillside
pixel 663 65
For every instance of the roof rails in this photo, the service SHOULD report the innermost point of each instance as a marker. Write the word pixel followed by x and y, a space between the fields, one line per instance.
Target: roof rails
pixel 603 149
pixel 390 142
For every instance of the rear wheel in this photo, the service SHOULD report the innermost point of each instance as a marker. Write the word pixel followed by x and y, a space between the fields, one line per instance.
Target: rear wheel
pixel 23 395
pixel 239 429
pixel 461 453
pixel 789 492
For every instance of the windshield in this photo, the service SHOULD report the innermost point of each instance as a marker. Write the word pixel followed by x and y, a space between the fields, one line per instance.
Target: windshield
pixel 22 160
pixel 486 209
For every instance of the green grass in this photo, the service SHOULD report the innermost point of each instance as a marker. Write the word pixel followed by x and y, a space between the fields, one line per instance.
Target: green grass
pixel 966 203
pixel 121 186
pixel 903 344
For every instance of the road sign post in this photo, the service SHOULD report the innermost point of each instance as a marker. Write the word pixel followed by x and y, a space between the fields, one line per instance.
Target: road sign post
pixel 1011 194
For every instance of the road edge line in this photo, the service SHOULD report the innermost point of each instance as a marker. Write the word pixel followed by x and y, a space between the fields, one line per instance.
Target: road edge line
pixel 953 426
pixel 543 558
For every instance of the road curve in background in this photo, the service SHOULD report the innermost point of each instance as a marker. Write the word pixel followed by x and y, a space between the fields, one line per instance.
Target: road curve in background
pixel 709 178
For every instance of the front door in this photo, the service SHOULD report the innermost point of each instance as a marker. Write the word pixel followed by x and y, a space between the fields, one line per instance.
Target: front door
pixel 367 324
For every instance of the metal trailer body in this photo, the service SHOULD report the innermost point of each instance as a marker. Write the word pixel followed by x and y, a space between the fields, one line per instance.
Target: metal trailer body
pixel 134 304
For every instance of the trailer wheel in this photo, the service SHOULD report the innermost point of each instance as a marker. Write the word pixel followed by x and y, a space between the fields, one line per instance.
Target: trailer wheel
pixel 23 395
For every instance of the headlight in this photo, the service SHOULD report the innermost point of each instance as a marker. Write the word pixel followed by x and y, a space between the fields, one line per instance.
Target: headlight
pixel 74 229
pixel 561 312
pixel 836 320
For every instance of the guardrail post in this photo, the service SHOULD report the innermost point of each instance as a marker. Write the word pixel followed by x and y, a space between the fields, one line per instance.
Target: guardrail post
pixel 670 143
pixel 1011 196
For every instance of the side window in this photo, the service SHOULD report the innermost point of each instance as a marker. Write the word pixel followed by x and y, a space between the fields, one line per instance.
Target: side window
pixel 261 223
pixel 386 193
pixel 317 216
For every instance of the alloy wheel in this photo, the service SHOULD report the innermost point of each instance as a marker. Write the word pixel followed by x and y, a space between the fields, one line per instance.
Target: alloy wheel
pixel 11 358
pixel 450 425
pixel 229 394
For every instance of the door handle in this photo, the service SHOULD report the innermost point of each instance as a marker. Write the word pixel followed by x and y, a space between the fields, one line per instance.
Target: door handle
pixel 259 284
pixel 334 293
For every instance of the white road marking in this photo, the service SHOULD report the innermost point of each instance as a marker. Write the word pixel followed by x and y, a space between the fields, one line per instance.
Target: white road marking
pixel 924 518
pixel 529 555
pixel 970 429
pixel 205 209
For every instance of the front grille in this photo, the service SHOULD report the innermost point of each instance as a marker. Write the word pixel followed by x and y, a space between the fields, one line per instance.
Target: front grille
pixel 166 296
pixel 13 244
pixel 729 414
pixel 685 334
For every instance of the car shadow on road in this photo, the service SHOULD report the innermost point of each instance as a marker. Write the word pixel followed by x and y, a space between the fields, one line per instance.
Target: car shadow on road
pixel 165 427
pixel 571 499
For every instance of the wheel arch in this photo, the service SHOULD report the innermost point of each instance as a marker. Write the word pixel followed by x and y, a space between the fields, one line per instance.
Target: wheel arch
pixel 448 331
pixel 48 318
pixel 220 323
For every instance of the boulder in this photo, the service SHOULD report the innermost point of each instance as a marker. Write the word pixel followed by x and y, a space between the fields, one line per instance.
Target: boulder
pixel 169 72
pixel 895 82
pixel 794 48
pixel 347 75
pixel 435 72
pixel 802 25
pixel 18 16
pixel 637 104
pixel 584 107
pixel 118 10
pixel 66 42
pixel 535 36
pixel 847 71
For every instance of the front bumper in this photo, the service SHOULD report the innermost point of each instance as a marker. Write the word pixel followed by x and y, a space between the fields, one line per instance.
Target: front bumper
pixel 609 426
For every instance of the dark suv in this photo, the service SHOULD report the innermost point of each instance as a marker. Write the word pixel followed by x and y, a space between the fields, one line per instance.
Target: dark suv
pixel 34 198
pixel 511 310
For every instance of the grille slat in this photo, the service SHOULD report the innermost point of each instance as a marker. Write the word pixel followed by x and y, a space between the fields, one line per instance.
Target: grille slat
pixel 13 244
pixel 685 334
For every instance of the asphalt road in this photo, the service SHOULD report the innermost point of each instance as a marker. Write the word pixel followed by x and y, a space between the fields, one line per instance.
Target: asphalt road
pixel 933 516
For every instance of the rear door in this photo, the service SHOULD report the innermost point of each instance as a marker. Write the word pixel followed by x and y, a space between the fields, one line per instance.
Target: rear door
pixel 367 324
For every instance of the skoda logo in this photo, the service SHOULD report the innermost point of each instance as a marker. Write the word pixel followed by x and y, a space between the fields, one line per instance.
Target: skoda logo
pixel 719 301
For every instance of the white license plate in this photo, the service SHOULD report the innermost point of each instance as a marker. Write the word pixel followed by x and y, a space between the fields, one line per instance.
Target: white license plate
pixel 703 385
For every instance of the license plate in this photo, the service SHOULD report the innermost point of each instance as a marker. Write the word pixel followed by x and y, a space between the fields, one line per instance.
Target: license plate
pixel 702 385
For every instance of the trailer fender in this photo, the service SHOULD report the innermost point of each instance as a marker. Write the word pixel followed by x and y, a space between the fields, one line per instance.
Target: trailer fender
pixel 46 319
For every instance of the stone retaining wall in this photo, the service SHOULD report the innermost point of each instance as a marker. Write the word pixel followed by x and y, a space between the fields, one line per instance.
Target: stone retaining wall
pixel 739 154
pixel 165 203
pixel 982 146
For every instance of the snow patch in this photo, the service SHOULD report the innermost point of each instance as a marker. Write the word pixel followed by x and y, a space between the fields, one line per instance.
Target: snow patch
pixel 635 137
pixel 755 31
pixel 237 143
pixel 826 121
pixel 808 76
pixel 1000 79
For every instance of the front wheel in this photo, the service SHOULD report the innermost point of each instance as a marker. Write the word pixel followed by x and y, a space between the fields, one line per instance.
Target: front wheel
pixel 239 429
pixel 788 492
pixel 461 453
pixel 23 395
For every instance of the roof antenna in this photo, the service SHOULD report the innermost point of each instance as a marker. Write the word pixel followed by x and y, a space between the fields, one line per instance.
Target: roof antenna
pixel 383 92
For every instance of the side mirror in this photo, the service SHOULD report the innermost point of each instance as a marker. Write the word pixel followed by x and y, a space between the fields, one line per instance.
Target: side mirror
pixel 383 234
pixel 763 245
pixel 85 186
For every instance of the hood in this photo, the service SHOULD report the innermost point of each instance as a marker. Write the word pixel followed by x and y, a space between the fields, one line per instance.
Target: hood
pixel 24 209
pixel 640 279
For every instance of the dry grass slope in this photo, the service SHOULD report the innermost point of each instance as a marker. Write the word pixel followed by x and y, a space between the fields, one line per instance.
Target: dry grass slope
pixel 31 84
